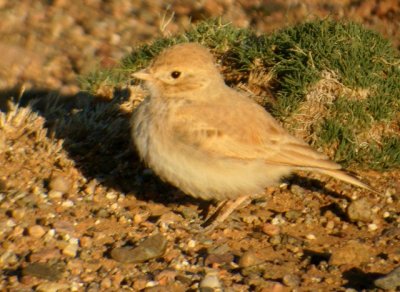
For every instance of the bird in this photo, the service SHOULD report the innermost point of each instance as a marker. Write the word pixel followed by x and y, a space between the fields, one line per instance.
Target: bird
pixel 211 141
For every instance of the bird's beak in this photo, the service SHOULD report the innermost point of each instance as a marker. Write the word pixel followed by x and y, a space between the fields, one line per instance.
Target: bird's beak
pixel 142 75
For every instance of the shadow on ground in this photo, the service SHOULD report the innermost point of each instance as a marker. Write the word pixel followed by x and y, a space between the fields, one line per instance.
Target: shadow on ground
pixel 96 134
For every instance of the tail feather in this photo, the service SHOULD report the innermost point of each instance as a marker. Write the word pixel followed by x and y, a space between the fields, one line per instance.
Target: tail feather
pixel 341 175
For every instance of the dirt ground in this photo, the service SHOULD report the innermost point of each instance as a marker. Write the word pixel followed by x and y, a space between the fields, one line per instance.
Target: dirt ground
pixel 83 218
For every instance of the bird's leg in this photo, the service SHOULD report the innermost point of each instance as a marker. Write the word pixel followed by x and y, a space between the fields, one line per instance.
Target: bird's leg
pixel 219 217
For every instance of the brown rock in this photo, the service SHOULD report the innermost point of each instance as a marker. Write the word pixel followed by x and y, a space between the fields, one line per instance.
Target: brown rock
pixel 360 210
pixel 36 231
pixel 352 253
pixel 152 247
pixel 60 183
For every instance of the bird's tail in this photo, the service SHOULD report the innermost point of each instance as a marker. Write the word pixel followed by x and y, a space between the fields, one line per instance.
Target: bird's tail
pixel 341 175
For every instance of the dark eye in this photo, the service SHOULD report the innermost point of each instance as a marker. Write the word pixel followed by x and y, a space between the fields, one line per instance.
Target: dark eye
pixel 175 74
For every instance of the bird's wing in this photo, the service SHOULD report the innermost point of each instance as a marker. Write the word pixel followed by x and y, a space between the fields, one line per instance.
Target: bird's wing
pixel 243 130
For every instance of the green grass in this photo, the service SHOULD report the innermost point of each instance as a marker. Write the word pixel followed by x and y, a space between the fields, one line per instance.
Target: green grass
pixel 363 97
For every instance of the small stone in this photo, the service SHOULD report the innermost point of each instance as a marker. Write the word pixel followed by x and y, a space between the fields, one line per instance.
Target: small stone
pixel 372 227
pixel 67 204
pixel 249 258
pixel 112 196
pixel 51 287
pixel 191 244
pixel 17 231
pixel 8 258
pixel 90 187
pixel 3 181
pixel 165 277
pixel 220 249
pixel 55 195
pixel 292 215
pixel 210 282
pixel 86 241
pixel 330 225
pixel 140 282
pixel 219 259
pixel 43 271
pixel 291 280
pixel 352 253
pixel 60 183
pixel 297 190
pixel 18 213
pixel 36 231
pixel 44 255
pixel 170 218
pixel 70 250
pixel 389 282
pixel 10 223
pixel 360 210
pixel 311 236
pixel 64 227
pixel 103 213
pixel 275 240
pixel 105 284
pixel 270 229
pixel 275 287
pixel 141 217
pixel 152 247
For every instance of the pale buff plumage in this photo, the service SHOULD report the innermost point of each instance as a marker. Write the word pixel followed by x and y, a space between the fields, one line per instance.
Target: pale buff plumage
pixel 210 140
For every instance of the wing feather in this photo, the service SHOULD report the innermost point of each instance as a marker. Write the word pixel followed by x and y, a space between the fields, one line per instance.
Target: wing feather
pixel 205 129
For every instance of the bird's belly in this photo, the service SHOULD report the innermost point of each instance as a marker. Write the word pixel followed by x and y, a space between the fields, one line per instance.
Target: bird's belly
pixel 209 177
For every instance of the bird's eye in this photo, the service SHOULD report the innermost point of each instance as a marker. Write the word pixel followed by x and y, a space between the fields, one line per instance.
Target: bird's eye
pixel 175 74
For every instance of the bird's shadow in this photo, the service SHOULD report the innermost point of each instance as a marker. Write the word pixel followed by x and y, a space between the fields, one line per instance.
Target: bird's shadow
pixel 96 135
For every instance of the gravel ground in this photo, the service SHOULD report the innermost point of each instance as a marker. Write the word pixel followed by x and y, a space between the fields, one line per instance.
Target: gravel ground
pixel 64 229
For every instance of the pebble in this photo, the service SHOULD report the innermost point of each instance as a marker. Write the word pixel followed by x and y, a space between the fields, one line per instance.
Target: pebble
pixel 60 183
pixel 68 204
pixel 10 223
pixel 292 215
pixel 86 241
pixel 219 259
pixel 43 271
pixel 170 218
pixel 152 247
pixel 51 287
pixel 275 240
pixel 36 231
pixel 360 210
pixel 103 213
pixel 291 280
pixel 18 213
pixel 165 277
pixel 330 225
pixel 352 253
pixel 8 258
pixel 44 255
pixel 389 281
pixel 249 258
pixel 105 284
pixel 297 190
pixel 311 236
pixel 210 282
pixel 220 249
pixel 55 194
pixel 372 227
pixel 270 229
pixel 3 182
pixel 17 231
pixel 70 250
